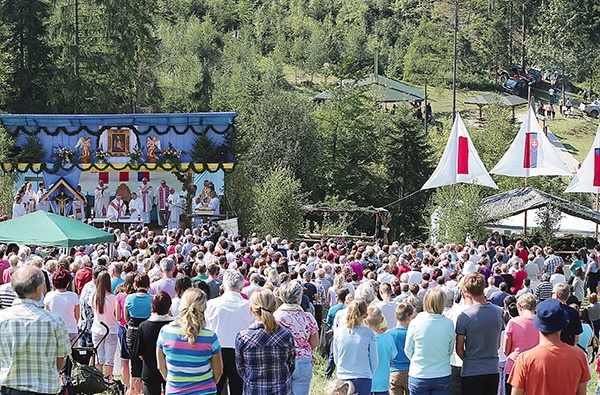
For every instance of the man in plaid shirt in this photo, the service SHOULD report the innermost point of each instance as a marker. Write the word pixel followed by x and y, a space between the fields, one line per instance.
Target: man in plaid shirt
pixel 552 261
pixel 34 341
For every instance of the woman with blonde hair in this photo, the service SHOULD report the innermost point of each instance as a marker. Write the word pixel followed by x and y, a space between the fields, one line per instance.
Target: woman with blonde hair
pixel 429 345
pixel 355 348
pixel 188 355
pixel 265 352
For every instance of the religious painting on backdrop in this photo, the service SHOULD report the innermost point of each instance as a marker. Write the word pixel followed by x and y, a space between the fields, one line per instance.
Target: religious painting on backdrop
pixel 118 142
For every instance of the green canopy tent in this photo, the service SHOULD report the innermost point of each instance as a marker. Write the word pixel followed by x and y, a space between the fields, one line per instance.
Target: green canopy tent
pixel 46 229
pixel 486 99
pixel 385 90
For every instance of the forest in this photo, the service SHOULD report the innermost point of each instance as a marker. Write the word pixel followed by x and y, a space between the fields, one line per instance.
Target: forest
pixel 267 59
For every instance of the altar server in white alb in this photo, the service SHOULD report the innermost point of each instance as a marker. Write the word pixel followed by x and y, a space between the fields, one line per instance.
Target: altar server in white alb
pixel 145 193
pixel 42 205
pixel 161 200
pixel 19 209
pixel 174 202
pixel 116 208
pixel 29 198
pixel 79 207
pixel 136 207
pixel 101 199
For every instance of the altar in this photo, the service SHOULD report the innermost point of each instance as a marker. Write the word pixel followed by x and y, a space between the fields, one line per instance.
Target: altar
pixel 119 149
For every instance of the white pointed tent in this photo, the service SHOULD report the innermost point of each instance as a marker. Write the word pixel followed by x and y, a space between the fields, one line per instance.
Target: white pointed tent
pixel 460 162
pixel 531 153
pixel 587 178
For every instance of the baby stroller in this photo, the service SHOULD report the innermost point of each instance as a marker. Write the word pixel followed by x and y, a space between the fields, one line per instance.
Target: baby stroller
pixel 80 376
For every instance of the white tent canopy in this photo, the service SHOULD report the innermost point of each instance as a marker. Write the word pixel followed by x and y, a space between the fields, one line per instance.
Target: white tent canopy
pixel 587 178
pixel 460 162
pixel 531 153
pixel 568 224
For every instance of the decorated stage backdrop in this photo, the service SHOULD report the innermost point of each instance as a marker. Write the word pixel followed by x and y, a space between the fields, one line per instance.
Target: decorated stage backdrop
pixel 129 142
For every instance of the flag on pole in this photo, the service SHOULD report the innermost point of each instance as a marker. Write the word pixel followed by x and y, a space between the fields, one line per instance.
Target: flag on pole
pixel 460 162
pixel 531 153
pixel 587 178
pixel 531 148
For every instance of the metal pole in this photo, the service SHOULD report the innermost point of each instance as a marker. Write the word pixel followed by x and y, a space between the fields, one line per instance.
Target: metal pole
pixel 597 204
pixel 426 120
pixel 454 60
pixel 523 34
pixel 525 213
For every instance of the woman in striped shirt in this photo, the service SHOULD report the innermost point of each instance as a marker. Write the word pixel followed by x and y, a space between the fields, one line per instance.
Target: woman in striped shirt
pixel 188 354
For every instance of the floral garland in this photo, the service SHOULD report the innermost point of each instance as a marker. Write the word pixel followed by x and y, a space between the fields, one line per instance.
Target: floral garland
pixel 101 155
pixel 171 156
pixel 64 155
pixel 135 156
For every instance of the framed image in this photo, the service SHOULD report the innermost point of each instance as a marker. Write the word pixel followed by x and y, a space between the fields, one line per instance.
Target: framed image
pixel 118 142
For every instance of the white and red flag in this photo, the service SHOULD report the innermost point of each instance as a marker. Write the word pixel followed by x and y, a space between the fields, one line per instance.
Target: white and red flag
pixel 531 153
pixel 587 178
pixel 460 162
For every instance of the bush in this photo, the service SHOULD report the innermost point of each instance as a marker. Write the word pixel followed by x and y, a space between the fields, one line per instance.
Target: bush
pixel 277 204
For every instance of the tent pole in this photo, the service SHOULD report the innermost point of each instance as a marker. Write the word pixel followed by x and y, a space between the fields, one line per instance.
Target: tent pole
pixel 525 213
pixel 597 204
pixel 454 61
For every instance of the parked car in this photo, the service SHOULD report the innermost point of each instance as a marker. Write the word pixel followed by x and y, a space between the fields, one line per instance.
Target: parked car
pixel 516 87
pixel 516 72
pixel 591 109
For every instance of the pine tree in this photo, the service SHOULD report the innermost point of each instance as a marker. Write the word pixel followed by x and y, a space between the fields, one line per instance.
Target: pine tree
pixel 26 62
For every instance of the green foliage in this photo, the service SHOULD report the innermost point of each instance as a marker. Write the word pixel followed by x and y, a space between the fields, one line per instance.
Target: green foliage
pixel 277 207
pixel 105 58
pixel 25 63
pixel 33 150
pixel 428 58
pixel 189 48
pixel 7 178
pixel 458 213
pixel 548 221
pixel 203 150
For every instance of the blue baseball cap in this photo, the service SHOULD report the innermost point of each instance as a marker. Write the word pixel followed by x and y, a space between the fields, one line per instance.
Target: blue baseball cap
pixel 550 316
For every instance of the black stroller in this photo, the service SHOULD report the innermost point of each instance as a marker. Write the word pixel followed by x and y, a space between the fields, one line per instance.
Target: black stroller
pixel 80 376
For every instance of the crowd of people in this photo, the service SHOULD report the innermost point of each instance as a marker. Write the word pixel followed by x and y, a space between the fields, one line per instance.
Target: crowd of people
pixel 191 311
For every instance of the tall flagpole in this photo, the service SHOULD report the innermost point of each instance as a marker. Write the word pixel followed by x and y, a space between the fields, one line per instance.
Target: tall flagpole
pixel 597 204
pixel 454 60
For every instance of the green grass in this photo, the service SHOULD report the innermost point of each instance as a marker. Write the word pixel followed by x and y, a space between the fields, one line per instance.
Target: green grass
pixel 319 383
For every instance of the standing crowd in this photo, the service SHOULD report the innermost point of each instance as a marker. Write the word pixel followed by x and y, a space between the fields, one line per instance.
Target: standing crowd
pixel 193 311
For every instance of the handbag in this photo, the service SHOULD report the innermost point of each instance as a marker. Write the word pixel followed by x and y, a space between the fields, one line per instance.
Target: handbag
pixel 325 338
pixel 87 379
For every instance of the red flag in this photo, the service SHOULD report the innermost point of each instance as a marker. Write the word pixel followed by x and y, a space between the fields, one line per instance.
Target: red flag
pixel 597 167
pixel 463 155
pixel 123 176
pixel 530 154
pixel 103 176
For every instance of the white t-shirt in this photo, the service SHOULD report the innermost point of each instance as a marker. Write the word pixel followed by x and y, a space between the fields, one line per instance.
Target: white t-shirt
pixel 109 316
pixel 63 304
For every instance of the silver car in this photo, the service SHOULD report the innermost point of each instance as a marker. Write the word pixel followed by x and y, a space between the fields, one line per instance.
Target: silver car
pixel 592 109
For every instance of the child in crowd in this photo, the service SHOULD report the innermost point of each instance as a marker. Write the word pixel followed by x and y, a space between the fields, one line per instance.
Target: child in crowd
pixel 386 351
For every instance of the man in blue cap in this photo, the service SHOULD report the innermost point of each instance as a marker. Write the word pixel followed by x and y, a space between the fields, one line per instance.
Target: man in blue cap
pixel 552 367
